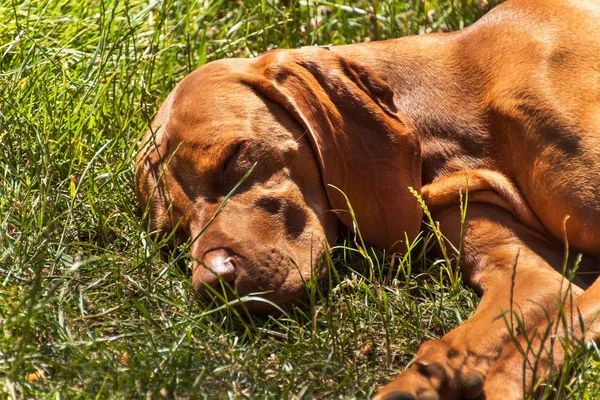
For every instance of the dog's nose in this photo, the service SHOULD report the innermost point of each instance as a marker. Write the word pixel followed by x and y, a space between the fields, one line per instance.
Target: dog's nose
pixel 217 266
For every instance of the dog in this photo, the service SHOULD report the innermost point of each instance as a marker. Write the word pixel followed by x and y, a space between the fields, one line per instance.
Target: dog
pixel 506 112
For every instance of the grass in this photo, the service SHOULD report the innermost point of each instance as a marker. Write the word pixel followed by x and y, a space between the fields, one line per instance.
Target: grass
pixel 88 308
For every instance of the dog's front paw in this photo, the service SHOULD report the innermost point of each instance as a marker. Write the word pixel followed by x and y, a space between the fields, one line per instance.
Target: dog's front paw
pixel 440 372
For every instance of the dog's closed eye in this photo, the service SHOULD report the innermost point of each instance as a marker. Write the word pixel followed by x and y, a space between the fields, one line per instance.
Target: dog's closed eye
pixel 229 166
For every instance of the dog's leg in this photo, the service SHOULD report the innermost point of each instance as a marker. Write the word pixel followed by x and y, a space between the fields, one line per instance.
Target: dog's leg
pixel 515 271
pixel 545 347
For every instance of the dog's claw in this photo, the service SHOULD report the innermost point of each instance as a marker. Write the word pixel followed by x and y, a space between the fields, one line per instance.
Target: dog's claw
pixel 429 395
pixel 432 370
pixel 402 395
pixel 398 396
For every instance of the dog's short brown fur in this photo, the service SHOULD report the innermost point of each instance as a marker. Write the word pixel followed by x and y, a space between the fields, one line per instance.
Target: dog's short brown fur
pixel 508 108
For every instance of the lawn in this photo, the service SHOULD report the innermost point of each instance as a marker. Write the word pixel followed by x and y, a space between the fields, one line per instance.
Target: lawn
pixel 91 308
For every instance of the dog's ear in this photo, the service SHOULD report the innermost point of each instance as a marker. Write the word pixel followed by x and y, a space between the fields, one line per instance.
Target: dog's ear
pixel 364 145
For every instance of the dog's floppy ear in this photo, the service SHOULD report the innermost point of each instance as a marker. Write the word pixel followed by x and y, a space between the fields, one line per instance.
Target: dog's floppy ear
pixel 364 145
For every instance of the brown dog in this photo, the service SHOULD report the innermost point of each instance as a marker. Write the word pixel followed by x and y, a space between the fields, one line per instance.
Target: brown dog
pixel 508 109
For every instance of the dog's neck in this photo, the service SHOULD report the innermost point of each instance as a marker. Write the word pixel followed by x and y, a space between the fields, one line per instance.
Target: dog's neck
pixel 440 91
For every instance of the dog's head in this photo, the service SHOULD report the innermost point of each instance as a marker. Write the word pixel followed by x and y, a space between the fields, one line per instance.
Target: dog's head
pixel 301 127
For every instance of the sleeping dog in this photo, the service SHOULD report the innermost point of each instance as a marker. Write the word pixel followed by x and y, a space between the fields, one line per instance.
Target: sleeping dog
pixel 507 109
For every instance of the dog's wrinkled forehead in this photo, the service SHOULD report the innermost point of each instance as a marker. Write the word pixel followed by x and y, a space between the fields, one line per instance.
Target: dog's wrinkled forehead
pixel 206 109
pixel 212 107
